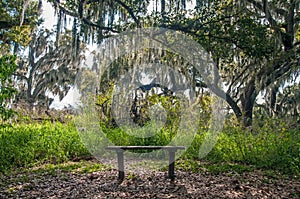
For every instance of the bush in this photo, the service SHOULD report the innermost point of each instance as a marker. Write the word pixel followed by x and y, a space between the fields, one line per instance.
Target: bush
pixel 7 91
pixel 266 148
pixel 30 144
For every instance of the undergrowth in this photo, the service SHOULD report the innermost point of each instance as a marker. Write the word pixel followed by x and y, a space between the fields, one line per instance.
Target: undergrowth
pixel 28 145
pixel 264 148
pixel 24 145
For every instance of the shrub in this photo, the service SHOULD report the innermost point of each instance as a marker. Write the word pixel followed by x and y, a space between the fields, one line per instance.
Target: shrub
pixel 30 144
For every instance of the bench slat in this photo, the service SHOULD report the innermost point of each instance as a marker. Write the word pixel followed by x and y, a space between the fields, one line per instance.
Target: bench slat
pixel 145 147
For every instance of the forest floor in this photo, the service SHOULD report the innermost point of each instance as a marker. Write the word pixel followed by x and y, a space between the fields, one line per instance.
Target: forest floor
pixel 89 179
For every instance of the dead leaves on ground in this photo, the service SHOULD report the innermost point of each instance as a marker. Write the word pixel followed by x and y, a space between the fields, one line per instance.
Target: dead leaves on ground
pixel 148 184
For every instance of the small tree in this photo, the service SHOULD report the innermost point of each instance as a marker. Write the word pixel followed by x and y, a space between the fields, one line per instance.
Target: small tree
pixel 7 91
pixel 17 19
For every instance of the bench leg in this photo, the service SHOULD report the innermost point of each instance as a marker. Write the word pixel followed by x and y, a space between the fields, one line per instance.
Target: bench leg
pixel 171 164
pixel 120 155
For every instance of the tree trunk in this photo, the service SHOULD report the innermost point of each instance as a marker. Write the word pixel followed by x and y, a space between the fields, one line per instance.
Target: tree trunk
pixel 247 109
pixel 232 103
pixel 236 109
pixel 272 98
pixel 248 100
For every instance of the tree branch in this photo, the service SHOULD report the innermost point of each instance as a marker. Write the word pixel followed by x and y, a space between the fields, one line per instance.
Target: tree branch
pixel 129 10
pixel 238 77
pixel 219 92
pixel 84 19
pixel 23 77
pixel 265 8
pixel 11 24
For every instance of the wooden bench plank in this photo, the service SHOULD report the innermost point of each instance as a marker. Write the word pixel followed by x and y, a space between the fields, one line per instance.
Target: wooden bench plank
pixel 145 147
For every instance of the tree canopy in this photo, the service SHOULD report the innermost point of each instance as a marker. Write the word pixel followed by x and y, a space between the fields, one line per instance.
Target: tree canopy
pixel 254 43
pixel 49 67
pixel 17 19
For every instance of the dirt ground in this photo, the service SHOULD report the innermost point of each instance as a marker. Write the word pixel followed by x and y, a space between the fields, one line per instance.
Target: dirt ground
pixel 148 184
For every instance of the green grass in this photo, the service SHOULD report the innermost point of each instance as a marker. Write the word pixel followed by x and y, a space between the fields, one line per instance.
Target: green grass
pixel 31 145
pixel 27 145
pixel 267 149
pixel 213 168
pixel 118 137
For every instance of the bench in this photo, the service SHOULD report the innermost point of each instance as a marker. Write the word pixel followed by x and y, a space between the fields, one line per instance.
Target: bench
pixel 120 154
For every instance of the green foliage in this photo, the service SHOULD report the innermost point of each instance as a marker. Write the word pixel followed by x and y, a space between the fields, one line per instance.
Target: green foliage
pixel 215 168
pixel 143 113
pixel 267 147
pixel 270 147
pixel 169 104
pixel 103 102
pixel 288 102
pixel 32 144
pixel 16 22
pixel 7 91
pixel 252 42
pixel 79 167
pixel 120 138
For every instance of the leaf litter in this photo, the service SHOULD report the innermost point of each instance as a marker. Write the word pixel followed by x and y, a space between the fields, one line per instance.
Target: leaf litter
pixel 147 184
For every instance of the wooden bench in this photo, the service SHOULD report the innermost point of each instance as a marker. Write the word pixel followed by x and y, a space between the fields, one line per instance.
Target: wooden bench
pixel 120 154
